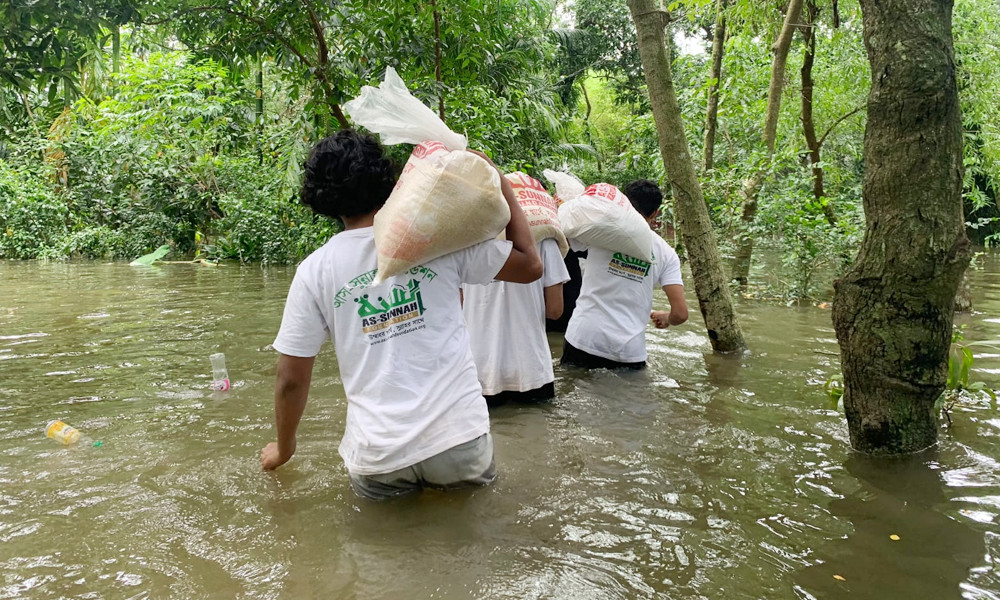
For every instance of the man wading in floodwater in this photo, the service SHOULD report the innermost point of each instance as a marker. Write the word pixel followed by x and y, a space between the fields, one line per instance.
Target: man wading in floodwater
pixel 608 327
pixel 416 416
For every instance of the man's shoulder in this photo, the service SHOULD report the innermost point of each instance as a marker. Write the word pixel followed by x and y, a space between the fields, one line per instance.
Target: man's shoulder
pixel 336 247
pixel 470 251
pixel 660 245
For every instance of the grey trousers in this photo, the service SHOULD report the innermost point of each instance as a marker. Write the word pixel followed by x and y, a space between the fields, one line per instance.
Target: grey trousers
pixel 466 465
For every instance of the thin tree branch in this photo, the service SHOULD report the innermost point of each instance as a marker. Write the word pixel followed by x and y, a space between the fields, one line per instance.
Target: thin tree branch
pixel 838 122
pixel 323 51
pixel 323 54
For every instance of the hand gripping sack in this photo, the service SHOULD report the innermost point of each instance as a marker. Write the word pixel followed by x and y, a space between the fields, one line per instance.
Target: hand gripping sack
pixel 446 199
pixel 601 216
pixel 539 208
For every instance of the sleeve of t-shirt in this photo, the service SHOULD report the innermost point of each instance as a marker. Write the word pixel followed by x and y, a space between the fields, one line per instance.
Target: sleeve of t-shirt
pixel 303 329
pixel 482 262
pixel 670 272
pixel 576 245
pixel 554 269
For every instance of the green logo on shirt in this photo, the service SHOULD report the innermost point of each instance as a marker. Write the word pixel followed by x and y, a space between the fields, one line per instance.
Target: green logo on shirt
pixel 627 266
pixel 404 303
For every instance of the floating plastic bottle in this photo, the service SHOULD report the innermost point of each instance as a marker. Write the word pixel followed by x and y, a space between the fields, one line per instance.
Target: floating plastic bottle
pixel 61 432
pixel 220 376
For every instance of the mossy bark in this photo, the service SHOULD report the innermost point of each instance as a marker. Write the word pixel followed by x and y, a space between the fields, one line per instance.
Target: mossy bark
pixel 893 308
pixel 710 284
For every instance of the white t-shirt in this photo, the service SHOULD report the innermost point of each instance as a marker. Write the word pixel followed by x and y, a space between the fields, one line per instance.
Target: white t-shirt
pixel 615 300
pixel 507 327
pixel 402 347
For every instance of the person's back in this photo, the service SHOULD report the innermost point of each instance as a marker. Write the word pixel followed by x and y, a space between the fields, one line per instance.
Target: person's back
pixel 416 416
pixel 608 326
pixel 404 358
pixel 507 331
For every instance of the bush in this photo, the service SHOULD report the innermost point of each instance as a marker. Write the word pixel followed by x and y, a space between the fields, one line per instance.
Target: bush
pixel 32 218
pixel 257 222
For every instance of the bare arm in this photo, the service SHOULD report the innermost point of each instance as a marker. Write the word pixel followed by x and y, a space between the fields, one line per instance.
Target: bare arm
pixel 554 301
pixel 678 308
pixel 290 393
pixel 523 265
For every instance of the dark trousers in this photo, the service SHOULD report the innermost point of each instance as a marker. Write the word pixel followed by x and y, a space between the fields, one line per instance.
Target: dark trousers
pixel 574 357
pixel 541 394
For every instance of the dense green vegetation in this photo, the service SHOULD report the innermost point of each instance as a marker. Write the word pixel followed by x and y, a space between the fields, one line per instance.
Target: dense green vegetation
pixel 126 124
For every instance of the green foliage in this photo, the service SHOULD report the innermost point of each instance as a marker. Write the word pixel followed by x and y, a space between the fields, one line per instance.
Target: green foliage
pixel 834 390
pixel 977 55
pixel 613 49
pixel 172 158
pixel 45 42
pixel 154 149
pixel 258 223
pixel 622 138
pixel 148 259
pixel 33 221
pixel 960 388
pixel 173 150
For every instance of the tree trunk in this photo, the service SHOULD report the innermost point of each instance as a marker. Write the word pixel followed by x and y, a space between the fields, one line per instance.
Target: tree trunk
pixel 893 308
pixel 744 250
pixel 116 48
pixel 586 126
pixel 712 114
pixel 322 74
pixel 808 124
pixel 963 298
pixel 710 284
pixel 259 110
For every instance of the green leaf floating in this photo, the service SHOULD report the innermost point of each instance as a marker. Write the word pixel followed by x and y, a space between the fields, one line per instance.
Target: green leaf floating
pixel 152 257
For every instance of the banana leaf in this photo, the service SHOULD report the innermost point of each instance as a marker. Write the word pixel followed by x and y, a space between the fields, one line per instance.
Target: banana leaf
pixel 152 257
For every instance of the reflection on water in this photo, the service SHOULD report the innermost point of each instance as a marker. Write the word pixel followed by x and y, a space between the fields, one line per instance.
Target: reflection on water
pixel 702 477
pixel 898 528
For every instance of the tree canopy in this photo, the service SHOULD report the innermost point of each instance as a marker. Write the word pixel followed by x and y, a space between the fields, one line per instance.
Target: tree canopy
pixel 143 122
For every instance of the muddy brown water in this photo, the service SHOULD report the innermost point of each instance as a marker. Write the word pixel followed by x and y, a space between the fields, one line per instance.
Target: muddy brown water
pixel 702 477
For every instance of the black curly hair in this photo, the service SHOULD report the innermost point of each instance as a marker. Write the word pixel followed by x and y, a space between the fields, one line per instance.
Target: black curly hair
pixel 644 195
pixel 346 175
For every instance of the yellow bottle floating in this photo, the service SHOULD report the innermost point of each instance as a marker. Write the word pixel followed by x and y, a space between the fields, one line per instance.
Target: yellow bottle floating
pixel 61 432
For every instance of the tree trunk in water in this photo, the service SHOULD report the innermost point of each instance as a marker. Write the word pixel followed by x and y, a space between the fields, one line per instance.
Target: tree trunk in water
pixel 710 285
pixel 893 308
pixel 744 250
pixel 712 114
pixel 963 298
pixel 808 124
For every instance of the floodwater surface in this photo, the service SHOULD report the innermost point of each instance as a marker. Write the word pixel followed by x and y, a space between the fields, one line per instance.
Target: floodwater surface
pixel 702 477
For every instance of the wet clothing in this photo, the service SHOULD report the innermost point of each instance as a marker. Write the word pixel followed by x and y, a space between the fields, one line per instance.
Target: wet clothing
pixel 615 301
pixel 539 394
pixel 466 465
pixel 506 323
pixel 574 357
pixel 402 347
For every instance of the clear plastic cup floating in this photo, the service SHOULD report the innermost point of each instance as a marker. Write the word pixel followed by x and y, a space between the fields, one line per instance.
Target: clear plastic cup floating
pixel 220 376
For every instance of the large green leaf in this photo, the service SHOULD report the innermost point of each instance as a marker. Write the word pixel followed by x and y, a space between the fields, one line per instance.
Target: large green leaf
pixel 152 257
